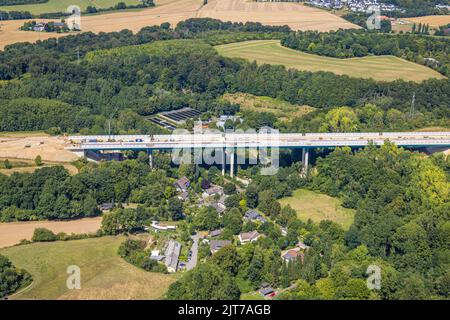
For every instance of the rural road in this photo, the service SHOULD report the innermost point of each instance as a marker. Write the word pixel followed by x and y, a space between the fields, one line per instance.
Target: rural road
pixel 193 262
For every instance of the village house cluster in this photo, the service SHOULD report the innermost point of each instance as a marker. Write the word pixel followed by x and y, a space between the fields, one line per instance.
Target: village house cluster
pixel 353 5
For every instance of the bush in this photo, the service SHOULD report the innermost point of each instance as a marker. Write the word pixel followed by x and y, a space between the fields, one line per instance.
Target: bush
pixel 229 188
pixel 43 235
pixel 7 164
pixel 38 160
pixel 133 251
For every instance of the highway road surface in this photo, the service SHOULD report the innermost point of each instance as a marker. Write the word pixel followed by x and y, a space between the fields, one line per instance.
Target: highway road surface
pixel 238 140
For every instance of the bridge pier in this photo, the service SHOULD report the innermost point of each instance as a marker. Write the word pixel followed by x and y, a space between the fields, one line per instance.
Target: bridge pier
pixel 223 162
pixel 305 159
pixel 150 158
pixel 232 164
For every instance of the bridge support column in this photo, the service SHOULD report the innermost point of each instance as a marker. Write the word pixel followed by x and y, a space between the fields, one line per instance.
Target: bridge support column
pixel 305 159
pixel 223 161
pixel 150 158
pixel 232 164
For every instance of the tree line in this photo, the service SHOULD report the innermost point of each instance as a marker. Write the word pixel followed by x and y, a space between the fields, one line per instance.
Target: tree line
pixel 360 43
pixel 124 84
pixel 15 14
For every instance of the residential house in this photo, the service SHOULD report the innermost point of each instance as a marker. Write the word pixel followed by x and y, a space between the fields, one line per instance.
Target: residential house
pixel 182 184
pixel 39 27
pixel 156 256
pixel 107 206
pixel 160 226
pixel 266 290
pixel 249 236
pixel 215 233
pixel 216 245
pixel 293 254
pixel 183 196
pixel 302 246
pixel 220 209
pixel 213 190
pixel 172 255
pixel 252 215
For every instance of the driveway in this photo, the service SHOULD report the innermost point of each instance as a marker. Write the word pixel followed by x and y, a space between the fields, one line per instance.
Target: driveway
pixel 193 262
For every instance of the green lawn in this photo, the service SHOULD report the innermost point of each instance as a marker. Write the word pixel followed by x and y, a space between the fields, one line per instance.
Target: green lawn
pixel 384 68
pixel 61 5
pixel 104 275
pixel 318 207
pixel 252 296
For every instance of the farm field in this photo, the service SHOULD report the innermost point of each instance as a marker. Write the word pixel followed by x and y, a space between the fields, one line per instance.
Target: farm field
pixel 297 16
pixel 433 21
pixel 104 275
pixel 61 5
pixel 383 68
pixel 28 146
pixel 318 207
pixel 282 109
pixel 28 166
pixel 171 11
pixel 12 232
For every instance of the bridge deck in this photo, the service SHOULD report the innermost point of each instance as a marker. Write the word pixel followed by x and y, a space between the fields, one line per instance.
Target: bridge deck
pixel 235 140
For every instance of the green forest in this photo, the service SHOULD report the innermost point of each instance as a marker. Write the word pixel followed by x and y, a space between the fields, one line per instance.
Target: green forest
pixel 125 77
pixel 401 225
pixel 80 83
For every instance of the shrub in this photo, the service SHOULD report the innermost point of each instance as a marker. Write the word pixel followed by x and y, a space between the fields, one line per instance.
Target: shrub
pixel 43 235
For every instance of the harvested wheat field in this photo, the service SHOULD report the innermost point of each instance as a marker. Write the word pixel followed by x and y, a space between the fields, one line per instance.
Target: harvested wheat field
pixel 29 146
pixel 382 68
pixel 12 232
pixel 171 11
pixel 296 16
pixel 433 21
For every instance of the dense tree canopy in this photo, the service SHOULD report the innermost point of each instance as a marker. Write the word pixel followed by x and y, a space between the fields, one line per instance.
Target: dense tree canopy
pixel 11 278
pixel 125 77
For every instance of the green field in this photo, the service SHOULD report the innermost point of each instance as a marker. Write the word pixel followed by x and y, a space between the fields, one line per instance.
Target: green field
pixel 104 275
pixel 61 5
pixel 282 109
pixel 384 68
pixel 318 207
